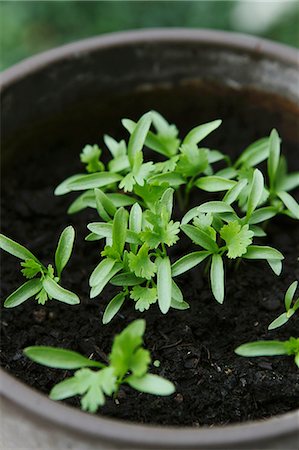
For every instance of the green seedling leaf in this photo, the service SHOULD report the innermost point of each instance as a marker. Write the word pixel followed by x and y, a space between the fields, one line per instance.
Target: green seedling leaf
pixel 187 262
pixel 105 205
pixel 23 293
pixel 141 264
pixel 63 188
pixel 59 293
pixel 279 321
pixel 164 284
pixel 113 307
pixel 119 230
pixel 201 238
pixel 262 214
pixel 138 137
pixel 276 265
pixel 59 358
pixel 262 348
pixel 126 279
pixel 290 203
pixel 197 134
pixel 135 218
pixel 262 252
pixel 91 157
pixel 16 249
pixel 144 297
pixel 217 278
pixel 215 184
pixel 151 384
pixel 101 271
pixel 31 268
pixel 214 207
pixel 104 230
pixel 97 289
pixel 233 193
pixel 254 154
pixel 273 160
pixel 93 180
pixel 171 178
pixel 290 295
pixel 237 238
pixel 256 192
pixel 64 249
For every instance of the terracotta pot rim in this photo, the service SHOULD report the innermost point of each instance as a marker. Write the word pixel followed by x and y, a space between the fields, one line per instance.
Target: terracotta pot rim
pixel 136 434
pixel 111 429
pixel 236 41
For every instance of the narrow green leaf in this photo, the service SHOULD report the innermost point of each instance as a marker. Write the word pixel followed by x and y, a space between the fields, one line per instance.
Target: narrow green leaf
pixel 23 293
pixel 199 237
pixel 193 212
pixel 135 218
pixel 187 262
pixel 197 134
pixel 262 252
pixel 126 279
pixel 57 292
pixel 214 184
pixel 233 193
pixel 273 160
pixel 119 229
pixel 113 307
pixel 176 292
pixel 101 271
pixel 290 203
pixel 151 384
pixel 262 214
pixel 105 230
pixel 16 249
pixel 290 294
pixel 93 180
pixel 254 154
pixel 65 389
pixel 217 278
pixel 105 206
pixel 97 289
pixel 262 348
pixel 137 139
pixel 256 192
pixel 172 178
pixel 290 182
pixel 59 358
pixel 121 199
pixel 164 284
pixel 214 207
pixel 279 321
pixel 63 188
pixel 85 200
pixel 64 249
pixel 182 306
pixel 276 265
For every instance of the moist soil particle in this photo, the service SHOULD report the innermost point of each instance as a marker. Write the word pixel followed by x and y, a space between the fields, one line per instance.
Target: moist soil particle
pixel 195 347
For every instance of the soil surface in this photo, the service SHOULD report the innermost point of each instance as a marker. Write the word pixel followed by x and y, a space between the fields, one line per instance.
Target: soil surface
pixel 195 347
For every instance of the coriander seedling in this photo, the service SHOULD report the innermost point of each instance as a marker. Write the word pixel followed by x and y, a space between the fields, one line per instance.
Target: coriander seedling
pixel 135 257
pixel 128 364
pixel 222 234
pixel 42 282
pixel 290 310
pixel 270 348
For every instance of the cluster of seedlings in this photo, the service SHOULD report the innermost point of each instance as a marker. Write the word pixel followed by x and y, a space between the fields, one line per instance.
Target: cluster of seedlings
pixel 133 198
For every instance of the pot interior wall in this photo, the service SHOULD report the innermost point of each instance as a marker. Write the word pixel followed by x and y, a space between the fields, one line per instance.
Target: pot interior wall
pixel 76 99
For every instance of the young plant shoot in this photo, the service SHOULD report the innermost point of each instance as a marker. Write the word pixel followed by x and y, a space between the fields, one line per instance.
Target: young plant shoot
pixel 270 348
pixel 128 364
pixel 135 255
pixel 42 281
pixel 291 306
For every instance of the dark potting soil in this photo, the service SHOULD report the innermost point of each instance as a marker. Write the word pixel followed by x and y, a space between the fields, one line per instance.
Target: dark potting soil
pixel 195 347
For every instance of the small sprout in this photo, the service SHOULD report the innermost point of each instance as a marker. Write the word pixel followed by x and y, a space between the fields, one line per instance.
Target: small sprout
pixel 128 364
pixel 47 285
pixel 290 310
pixel 270 348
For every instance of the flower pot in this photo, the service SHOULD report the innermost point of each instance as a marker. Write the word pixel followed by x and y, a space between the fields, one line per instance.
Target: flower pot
pixel 54 103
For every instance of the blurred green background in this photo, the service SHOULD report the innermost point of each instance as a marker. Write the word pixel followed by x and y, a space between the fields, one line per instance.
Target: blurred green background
pixel 29 27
